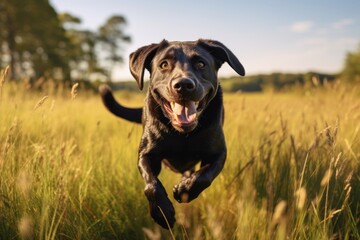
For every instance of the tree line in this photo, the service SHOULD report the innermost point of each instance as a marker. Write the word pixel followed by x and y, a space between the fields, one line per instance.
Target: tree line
pixel 351 70
pixel 37 41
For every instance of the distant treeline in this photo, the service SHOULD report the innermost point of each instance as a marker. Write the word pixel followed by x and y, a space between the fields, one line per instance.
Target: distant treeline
pixel 277 81
pixel 256 83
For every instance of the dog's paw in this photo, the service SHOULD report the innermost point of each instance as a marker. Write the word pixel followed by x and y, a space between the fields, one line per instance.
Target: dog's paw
pixel 161 209
pixel 189 188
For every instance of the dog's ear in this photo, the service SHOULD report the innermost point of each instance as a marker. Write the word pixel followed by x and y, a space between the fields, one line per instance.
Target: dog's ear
pixel 222 54
pixel 141 60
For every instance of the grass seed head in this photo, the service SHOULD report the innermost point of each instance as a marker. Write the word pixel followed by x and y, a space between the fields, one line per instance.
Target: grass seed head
pixel 152 234
pixel 279 212
pixel 327 176
pixel 301 198
pixel 26 227
pixel 4 74
pixel 24 183
pixel 40 102
pixel 347 189
pixel 74 91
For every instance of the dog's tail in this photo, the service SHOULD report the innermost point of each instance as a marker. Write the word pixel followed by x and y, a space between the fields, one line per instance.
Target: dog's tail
pixel 130 114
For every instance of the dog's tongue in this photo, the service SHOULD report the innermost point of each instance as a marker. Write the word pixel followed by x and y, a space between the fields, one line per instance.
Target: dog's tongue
pixel 186 113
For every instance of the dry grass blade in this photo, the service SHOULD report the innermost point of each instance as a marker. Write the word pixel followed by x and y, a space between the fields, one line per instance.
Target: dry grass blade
pixel 332 214
pixel 238 174
pixel 171 233
pixel 40 102
pixel 303 170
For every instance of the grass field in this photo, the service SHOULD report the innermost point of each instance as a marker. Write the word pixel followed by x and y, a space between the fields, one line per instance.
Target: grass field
pixel 68 169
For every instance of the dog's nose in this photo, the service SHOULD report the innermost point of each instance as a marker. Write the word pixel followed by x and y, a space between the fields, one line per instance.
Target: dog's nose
pixel 183 85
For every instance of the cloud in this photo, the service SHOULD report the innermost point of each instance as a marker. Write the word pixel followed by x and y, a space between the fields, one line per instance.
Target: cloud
pixel 343 23
pixel 301 27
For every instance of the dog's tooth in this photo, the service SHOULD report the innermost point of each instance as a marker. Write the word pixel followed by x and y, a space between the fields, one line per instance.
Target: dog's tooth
pixel 172 104
pixel 196 104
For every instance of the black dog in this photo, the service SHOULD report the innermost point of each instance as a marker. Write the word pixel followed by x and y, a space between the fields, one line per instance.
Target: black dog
pixel 182 118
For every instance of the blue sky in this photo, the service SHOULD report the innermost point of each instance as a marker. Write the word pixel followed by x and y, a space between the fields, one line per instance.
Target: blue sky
pixel 267 36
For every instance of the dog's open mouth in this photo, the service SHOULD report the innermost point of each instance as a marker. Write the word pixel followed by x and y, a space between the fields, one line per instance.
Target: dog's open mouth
pixel 182 113
pixel 185 113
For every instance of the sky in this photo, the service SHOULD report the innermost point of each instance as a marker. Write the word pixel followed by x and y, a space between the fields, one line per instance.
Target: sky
pixel 266 36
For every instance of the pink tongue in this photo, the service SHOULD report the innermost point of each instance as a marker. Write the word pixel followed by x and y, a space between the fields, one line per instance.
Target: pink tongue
pixel 186 113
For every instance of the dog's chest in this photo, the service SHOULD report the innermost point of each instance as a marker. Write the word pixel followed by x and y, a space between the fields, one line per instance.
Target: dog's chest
pixel 181 156
pixel 183 148
pixel 182 152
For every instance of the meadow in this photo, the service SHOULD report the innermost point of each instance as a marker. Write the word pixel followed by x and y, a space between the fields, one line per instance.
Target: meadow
pixel 68 168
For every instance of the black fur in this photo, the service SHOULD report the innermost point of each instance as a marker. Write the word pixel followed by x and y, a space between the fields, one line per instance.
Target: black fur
pixel 183 81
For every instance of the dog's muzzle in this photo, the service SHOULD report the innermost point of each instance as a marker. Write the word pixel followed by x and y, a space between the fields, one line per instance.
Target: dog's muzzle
pixel 184 115
pixel 183 105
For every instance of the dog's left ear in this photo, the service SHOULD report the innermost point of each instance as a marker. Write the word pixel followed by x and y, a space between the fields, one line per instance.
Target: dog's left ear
pixel 222 54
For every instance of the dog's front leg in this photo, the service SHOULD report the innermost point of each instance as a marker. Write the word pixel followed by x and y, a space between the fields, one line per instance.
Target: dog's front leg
pixel 189 188
pixel 161 209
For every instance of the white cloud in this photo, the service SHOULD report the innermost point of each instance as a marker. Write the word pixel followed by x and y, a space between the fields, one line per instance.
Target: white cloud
pixel 343 23
pixel 301 27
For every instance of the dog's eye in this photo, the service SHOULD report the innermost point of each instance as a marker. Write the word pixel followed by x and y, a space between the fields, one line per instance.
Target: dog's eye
pixel 200 64
pixel 164 65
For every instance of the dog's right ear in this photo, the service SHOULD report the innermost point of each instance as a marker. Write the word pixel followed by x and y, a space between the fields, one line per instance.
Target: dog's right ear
pixel 141 59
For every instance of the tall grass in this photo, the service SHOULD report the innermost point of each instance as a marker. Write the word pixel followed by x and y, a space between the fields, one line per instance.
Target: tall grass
pixel 68 169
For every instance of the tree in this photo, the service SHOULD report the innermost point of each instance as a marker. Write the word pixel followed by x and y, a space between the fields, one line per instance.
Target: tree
pixel 82 49
pixel 33 40
pixel 37 41
pixel 112 36
pixel 8 30
pixel 351 71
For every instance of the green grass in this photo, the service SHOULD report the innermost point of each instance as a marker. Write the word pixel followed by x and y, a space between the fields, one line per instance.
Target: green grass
pixel 68 169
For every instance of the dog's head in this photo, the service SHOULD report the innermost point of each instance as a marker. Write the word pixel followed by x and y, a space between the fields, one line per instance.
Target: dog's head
pixel 183 76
